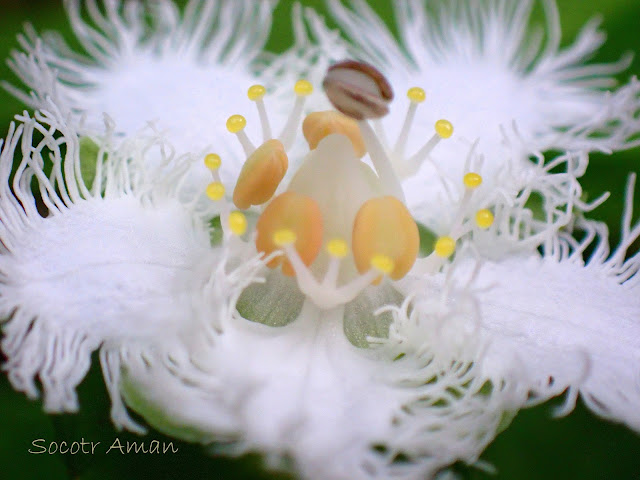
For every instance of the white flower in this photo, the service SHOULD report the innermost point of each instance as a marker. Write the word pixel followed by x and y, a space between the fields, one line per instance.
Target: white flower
pixel 94 270
pixel 270 332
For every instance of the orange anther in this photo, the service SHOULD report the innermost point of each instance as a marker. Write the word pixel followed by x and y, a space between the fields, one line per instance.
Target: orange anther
pixel 384 227
pixel 299 214
pixel 318 125
pixel 260 175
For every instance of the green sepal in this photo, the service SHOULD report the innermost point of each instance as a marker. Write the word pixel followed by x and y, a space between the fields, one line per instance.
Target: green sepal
pixel 215 231
pixel 89 151
pixel 427 240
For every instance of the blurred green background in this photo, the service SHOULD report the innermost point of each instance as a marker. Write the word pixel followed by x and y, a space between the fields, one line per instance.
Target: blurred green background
pixel 536 446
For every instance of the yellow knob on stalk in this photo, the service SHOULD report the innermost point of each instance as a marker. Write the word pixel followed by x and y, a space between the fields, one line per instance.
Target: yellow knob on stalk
pixel 236 123
pixel 472 180
pixel 237 223
pixel 212 161
pixel 445 246
pixel 215 191
pixel 484 218
pixel 337 248
pixel 256 92
pixel 416 94
pixel 444 129
pixel 303 88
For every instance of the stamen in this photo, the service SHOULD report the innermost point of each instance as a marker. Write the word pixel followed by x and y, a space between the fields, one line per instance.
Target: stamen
pixel 383 227
pixel 484 218
pixel 318 125
pixel 260 175
pixel 326 294
pixel 236 124
pixel 416 95
pixel 297 213
pixel 383 263
pixel 302 89
pixel 212 161
pixel 215 191
pixel 445 246
pixel 284 237
pixel 237 223
pixel 337 249
pixel 461 224
pixel 472 180
pixel 256 94
pixel 444 130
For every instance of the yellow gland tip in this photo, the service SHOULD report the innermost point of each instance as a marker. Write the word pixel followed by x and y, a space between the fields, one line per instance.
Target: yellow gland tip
pixel 444 129
pixel 284 237
pixel 484 218
pixel 235 123
pixel 337 248
pixel 215 191
pixel 256 92
pixel 472 180
pixel 212 161
pixel 382 263
pixel 445 246
pixel 416 94
pixel 237 223
pixel 303 88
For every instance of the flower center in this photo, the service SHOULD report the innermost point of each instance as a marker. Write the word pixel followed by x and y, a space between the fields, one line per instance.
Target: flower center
pixel 340 224
pixel 334 200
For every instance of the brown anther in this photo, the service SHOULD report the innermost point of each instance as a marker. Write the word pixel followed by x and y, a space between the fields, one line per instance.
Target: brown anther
pixel 318 125
pixel 260 175
pixel 358 89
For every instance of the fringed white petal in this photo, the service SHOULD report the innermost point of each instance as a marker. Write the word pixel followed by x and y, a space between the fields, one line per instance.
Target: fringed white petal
pixel 483 66
pixel 558 324
pixel 303 392
pixel 114 265
pixel 188 71
pixel 566 327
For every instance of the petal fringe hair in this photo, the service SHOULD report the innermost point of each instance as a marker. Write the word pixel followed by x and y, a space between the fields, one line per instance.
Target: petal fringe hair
pixel 81 265
pixel 210 32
